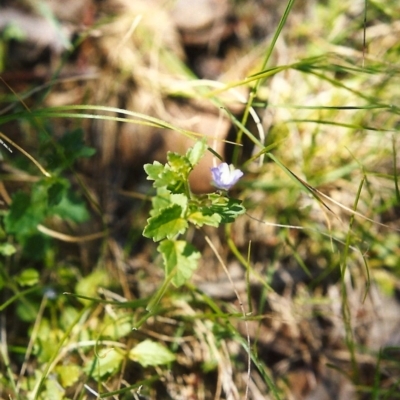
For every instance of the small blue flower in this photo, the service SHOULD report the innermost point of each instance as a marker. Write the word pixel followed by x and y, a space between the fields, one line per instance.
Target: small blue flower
pixel 224 177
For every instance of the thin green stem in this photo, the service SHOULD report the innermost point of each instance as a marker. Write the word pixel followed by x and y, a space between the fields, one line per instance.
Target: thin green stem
pixel 254 90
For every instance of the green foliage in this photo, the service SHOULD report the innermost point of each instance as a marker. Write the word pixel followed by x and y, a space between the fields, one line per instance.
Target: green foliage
pixel 180 260
pixel 23 217
pixel 106 363
pixel 48 339
pixel 88 286
pixel 54 391
pixel 149 353
pixel 28 277
pixel 226 208
pixel 68 374
pixel 7 249
pixel 49 197
pixel 27 312
pixel 117 327
pixel 167 223
pixel 63 154
pixel 72 147
pixel 174 207
pixel 331 114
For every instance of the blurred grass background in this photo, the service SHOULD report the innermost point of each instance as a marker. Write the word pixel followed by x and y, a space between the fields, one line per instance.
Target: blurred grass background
pixel 93 90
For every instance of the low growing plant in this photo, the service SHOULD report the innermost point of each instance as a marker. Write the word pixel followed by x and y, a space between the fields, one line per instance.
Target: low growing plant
pixel 175 207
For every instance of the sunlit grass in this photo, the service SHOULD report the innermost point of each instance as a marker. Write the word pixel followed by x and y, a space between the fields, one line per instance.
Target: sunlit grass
pixel 316 255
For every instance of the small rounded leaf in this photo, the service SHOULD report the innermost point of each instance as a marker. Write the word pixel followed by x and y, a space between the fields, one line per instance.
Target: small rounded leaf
pixel 149 353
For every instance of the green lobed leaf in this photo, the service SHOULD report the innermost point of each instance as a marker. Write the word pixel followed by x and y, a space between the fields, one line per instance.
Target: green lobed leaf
pixel 149 353
pixel 7 249
pixel 116 327
pixel 163 176
pixel 165 198
pixel 68 374
pixel 166 224
pixel 71 207
pixel 154 170
pixel 36 246
pixel 169 179
pixel 180 260
pixel 195 153
pixel 68 316
pixel 48 339
pixel 22 218
pixel 199 218
pixel 49 196
pixel 180 200
pixel 229 209
pixel 175 173
pixel 74 147
pixel 28 277
pixel 55 193
pixel 40 195
pixel 28 313
pixel 54 391
pixel 180 165
pixel 108 362
pixel 160 201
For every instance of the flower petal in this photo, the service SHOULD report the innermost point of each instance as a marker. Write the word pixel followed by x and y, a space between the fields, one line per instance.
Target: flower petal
pixel 224 177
